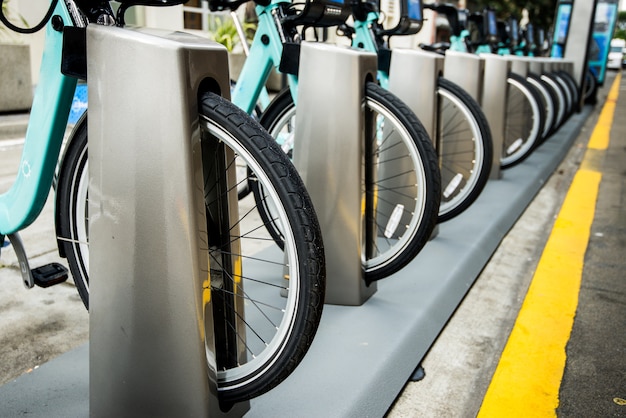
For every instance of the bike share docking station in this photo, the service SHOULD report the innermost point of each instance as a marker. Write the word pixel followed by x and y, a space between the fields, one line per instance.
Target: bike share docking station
pixel 361 357
pixel 421 97
pixel 150 353
pixel 329 154
pixel 484 77
pixel 573 35
pixel 374 347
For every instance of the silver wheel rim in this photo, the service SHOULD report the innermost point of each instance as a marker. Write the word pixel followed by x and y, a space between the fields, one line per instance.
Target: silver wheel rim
pixel 395 247
pixel 478 157
pixel 533 134
pixel 260 363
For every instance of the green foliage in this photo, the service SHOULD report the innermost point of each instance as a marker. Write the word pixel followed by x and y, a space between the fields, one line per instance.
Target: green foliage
pixel 620 27
pixel 225 33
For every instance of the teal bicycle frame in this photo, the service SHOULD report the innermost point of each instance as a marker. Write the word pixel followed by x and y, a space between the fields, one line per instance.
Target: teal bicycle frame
pixel 265 53
pixel 24 201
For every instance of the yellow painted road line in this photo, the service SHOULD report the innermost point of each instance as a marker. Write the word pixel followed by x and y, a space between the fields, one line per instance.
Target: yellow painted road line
pixel 527 380
pixel 600 138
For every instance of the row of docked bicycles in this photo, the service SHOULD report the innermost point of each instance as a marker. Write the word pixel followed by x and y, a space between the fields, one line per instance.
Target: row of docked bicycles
pixel 264 324
pixel 546 99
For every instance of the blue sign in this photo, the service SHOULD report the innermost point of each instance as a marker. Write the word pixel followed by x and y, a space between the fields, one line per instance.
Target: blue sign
pixel 564 13
pixel 603 27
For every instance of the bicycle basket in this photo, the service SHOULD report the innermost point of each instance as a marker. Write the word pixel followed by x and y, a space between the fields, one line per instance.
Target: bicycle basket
pixel 409 19
pixel 318 13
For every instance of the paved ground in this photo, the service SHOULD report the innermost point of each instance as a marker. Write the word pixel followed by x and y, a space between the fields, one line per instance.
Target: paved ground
pixel 595 376
pixel 39 324
pixel 459 366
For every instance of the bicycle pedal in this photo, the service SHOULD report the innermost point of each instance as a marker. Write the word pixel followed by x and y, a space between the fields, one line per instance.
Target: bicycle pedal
pixel 49 274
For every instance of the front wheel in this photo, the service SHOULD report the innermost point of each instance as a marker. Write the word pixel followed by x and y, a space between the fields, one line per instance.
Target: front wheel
pixel 266 301
pixel 403 194
pixel 550 103
pixel 465 149
pixel 524 121
pixel 552 84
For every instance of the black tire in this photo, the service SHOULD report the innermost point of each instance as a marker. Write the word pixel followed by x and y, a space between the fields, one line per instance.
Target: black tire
pixel 243 186
pixel 465 149
pixel 303 257
pixel 523 121
pixel 590 90
pixel 72 222
pixel 394 248
pixel 569 94
pixel 553 84
pixel 573 88
pixel 550 103
pixel 281 316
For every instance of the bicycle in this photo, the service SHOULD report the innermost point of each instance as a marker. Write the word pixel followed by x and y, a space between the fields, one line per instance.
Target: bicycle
pixel 406 216
pixel 557 89
pixel 524 116
pixel 463 139
pixel 278 329
pixel 512 42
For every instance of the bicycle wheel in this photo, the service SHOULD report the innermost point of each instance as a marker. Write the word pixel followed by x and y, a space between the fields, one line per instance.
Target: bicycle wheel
pixel 561 111
pixel 243 187
pixel 402 202
pixel 278 321
pixel 72 221
pixel 266 302
pixel 590 91
pixel 569 96
pixel 549 100
pixel 571 86
pixel 465 149
pixel 523 121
